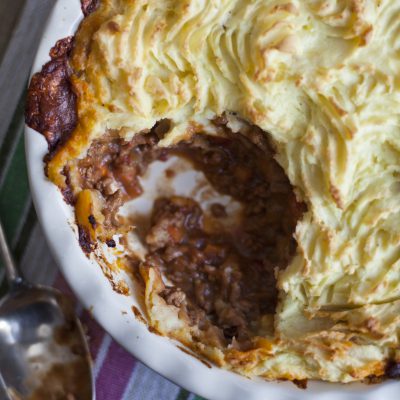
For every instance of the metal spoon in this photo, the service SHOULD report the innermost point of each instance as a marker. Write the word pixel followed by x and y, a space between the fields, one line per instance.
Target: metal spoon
pixel 43 350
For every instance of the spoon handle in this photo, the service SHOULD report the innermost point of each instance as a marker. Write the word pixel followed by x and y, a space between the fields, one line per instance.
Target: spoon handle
pixel 11 270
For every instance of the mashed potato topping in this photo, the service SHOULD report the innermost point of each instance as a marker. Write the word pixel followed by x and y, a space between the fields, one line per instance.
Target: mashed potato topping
pixel 322 78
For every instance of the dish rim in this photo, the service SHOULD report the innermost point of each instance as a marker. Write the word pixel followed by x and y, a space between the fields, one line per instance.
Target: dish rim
pixel 95 293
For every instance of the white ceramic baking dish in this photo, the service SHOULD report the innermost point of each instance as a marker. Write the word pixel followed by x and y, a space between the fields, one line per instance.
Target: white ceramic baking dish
pixel 94 290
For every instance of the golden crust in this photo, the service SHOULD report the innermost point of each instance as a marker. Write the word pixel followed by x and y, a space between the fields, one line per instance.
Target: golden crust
pixel 322 78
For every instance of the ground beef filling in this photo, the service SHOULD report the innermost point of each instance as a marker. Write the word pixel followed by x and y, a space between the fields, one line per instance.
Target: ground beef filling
pixel 221 279
pixel 113 167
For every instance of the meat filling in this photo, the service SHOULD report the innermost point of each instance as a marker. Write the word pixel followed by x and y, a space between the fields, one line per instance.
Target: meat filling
pixel 223 279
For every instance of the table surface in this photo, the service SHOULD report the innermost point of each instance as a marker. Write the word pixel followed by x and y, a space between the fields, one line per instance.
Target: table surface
pixel 118 375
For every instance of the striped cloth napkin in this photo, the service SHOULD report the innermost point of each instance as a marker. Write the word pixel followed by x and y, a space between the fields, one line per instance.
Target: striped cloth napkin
pixel 118 375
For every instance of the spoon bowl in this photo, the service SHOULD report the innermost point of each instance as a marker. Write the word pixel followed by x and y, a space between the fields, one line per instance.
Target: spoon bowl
pixel 43 349
pixel 42 355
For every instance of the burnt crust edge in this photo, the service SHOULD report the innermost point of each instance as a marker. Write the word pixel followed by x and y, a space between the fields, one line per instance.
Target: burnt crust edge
pixel 89 6
pixel 51 105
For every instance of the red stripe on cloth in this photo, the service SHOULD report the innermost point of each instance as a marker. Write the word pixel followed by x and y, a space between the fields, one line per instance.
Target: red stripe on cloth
pixel 94 331
pixel 61 284
pixel 115 373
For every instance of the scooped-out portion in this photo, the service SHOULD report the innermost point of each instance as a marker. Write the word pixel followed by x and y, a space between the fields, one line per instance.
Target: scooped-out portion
pixel 219 219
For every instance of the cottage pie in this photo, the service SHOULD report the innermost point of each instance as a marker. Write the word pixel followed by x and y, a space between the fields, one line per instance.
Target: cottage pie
pixel 279 255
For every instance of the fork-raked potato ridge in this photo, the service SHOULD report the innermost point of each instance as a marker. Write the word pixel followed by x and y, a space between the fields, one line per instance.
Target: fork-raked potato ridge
pixel 322 77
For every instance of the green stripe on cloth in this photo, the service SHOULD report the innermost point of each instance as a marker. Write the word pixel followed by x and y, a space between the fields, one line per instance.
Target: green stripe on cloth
pixel 14 192
pixel 183 395
pixel 17 208
pixel 15 202
pixel 26 229
pixel 13 131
